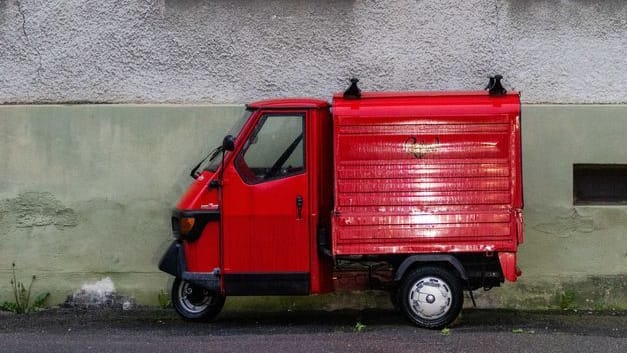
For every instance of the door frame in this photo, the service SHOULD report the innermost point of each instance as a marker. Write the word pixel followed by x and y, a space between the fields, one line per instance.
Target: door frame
pixel 270 283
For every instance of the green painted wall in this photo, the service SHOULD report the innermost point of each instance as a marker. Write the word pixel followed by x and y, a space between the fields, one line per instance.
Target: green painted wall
pixel 86 193
pixel 86 190
pixel 573 255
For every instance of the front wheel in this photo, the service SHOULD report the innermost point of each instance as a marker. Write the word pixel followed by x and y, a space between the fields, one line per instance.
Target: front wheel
pixel 431 297
pixel 194 302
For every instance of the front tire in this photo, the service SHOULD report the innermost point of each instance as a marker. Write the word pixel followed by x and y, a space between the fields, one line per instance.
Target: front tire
pixel 431 297
pixel 195 303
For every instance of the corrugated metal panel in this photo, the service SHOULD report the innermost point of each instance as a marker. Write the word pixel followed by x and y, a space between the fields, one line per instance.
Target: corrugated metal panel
pixel 424 183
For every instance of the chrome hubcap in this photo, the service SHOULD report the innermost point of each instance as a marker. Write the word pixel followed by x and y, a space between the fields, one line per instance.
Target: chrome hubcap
pixel 430 298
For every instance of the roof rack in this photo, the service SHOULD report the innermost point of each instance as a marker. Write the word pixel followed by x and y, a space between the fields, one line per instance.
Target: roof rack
pixel 353 92
pixel 495 87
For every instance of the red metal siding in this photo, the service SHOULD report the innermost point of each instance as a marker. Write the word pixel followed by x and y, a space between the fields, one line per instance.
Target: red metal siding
pixel 426 173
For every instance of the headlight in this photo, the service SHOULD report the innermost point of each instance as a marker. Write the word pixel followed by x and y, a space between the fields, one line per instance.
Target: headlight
pixel 186 224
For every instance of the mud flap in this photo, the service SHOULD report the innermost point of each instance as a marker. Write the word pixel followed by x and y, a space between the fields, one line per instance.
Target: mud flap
pixel 172 261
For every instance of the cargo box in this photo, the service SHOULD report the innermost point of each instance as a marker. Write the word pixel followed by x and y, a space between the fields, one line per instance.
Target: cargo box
pixel 426 173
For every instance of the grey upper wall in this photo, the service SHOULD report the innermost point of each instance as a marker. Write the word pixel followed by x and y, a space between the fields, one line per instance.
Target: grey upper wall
pixel 191 51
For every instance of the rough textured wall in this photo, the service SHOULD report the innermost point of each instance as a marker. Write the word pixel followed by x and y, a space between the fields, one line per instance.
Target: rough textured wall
pixel 568 51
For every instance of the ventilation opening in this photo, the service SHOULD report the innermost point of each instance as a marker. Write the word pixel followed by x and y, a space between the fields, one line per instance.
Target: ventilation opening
pixel 600 184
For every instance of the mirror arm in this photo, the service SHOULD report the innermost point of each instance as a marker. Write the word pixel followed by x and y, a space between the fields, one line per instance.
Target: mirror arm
pixel 222 166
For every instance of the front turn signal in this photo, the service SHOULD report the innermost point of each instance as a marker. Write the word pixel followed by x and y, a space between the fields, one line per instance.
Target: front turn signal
pixel 186 224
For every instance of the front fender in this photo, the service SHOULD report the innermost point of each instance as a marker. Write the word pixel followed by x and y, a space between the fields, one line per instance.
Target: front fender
pixel 173 261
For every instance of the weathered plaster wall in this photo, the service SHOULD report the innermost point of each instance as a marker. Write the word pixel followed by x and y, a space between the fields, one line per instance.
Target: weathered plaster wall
pixel 571 251
pixel 86 190
pixel 186 51
pixel 555 138
pixel 86 193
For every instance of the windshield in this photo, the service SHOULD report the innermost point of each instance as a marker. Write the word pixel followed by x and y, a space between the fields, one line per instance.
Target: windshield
pixel 212 163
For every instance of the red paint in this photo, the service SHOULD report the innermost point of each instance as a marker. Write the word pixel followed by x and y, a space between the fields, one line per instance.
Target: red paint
pixel 286 103
pixel 389 173
pixel 202 255
pixel 508 265
pixel 262 231
pixel 426 173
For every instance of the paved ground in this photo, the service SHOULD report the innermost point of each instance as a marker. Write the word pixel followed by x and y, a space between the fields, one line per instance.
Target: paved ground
pixel 149 330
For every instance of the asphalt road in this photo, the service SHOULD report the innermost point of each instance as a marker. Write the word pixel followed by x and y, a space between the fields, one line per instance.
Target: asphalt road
pixel 149 330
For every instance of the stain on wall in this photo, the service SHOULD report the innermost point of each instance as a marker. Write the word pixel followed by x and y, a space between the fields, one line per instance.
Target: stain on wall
pixel 596 292
pixel 564 227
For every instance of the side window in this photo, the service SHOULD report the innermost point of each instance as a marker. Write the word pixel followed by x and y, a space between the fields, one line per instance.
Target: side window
pixel 274 149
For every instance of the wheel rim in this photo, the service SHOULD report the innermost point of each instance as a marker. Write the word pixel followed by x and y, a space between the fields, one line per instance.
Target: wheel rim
pixel 193 298
pixel 430 298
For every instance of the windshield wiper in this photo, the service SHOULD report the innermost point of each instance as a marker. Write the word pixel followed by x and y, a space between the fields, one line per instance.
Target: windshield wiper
pixel 211 155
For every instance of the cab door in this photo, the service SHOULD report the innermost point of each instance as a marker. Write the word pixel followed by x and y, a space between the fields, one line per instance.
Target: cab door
pixel 266 208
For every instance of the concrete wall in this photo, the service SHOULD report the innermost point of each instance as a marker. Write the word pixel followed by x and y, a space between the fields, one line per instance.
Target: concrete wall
pixel 191 51
pixel 86 193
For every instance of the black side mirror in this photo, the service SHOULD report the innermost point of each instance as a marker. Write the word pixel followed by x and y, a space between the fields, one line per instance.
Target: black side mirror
pixel 228 143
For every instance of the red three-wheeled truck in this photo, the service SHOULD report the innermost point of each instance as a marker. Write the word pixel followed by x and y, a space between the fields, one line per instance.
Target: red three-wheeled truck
pixel 426 185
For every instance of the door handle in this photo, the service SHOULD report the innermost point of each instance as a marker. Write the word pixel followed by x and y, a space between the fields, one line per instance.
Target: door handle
pixel 299 207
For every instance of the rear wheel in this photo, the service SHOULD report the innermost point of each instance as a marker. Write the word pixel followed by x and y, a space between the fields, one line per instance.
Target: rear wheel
pixel 431 297
pixel 194 302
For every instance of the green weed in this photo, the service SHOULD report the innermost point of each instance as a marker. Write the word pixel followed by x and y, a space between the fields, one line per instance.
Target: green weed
pixel 164 300
pixel 359 327
pixel 22 297
pixel 567 299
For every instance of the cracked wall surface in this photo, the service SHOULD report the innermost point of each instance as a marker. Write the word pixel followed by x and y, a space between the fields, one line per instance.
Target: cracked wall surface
pixel 184 51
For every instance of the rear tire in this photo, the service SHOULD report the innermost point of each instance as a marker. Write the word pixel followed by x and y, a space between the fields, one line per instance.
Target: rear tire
pixel 195 303
pixel 431 297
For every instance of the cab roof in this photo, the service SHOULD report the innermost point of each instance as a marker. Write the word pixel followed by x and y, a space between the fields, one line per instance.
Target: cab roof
pixel 286 103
